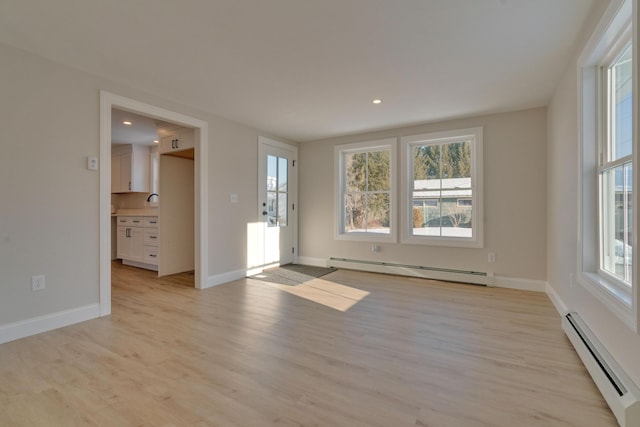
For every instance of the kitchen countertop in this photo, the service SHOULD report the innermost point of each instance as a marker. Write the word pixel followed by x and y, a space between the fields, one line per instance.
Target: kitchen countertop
pixel 137 212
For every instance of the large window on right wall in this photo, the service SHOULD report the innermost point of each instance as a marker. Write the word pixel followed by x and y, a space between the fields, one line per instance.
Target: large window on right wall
pixel 442 197
pixel 608 170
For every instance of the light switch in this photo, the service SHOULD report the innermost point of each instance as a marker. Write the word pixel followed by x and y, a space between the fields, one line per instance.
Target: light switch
pixel 92 163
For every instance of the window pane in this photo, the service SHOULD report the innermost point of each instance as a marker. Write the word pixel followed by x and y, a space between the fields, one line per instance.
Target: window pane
pixel 355 171
pixel 426 217
pixel 272 207
pixel 456 220
pixel 426 162
pixel 272 173
pixel 617 221
pixel 456 160
pixel 378 171
pixel 282 174
pixel 282 209
pixel 354 213
pixel 621 90
pixel 442 186
pixel 377 215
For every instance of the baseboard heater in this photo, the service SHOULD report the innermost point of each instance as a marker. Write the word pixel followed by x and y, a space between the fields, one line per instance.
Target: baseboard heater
pixel 451 275
pixel 621 394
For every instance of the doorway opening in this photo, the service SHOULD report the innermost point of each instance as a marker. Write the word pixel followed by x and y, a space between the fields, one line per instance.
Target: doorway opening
pixel 197 208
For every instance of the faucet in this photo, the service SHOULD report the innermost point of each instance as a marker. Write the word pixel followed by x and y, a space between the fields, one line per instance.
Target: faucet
pixel 151 195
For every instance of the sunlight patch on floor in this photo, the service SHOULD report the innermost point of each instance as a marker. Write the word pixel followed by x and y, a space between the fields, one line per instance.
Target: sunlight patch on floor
pixel 330 294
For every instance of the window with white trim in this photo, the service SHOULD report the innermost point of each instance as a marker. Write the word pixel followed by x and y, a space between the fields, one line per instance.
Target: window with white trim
pixel 616 169
pixel 443 188
pixel 365 199
pixel 607 156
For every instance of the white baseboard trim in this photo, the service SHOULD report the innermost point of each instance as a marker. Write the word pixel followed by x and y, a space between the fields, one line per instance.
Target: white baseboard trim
pixel 48 322
pixel 520 284
pixel 315 262
pixel 562 308
pixel 230 276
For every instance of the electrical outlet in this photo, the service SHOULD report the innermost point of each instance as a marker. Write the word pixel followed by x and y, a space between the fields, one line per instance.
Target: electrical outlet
pixel 491 257
pixel 37 282
pixel 375 248
pixel 234 198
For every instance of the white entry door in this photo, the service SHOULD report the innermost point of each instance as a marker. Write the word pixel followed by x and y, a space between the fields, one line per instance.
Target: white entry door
pixel 277 201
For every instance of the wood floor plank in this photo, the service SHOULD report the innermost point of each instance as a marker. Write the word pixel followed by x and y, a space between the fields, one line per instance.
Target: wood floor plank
pixel 347 349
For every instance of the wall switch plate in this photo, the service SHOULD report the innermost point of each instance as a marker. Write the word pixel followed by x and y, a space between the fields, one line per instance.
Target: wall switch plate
pixel 492 257
pixel 234 198
pixel 92 163
pixel 37 282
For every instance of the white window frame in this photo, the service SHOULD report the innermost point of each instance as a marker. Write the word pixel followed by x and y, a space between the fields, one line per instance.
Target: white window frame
pixel 475 137
pixel 339 189
pixel 611 35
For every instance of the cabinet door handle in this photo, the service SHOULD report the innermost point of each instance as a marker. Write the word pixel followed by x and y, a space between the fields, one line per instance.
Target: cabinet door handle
pixel 177 142
pixel 127 232
pixel 129 185
pixel 152 237
pixel 152 255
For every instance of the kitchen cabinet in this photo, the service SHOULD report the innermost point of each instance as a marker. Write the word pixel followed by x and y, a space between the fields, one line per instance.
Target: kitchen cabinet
pixel 130 168
pixel 138 241
pixel 178 140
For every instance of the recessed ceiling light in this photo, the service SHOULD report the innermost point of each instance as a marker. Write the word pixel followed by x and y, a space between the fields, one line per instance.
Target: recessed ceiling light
pixel 126 123
pixel 156 141
pixel 377 101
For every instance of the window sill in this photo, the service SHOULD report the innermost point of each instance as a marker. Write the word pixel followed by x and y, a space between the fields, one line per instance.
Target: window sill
pixel 367 237
pixel 612 297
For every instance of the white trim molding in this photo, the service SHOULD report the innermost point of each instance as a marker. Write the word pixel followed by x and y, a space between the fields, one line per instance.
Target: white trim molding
pixel 48 322
pixel 315 262
pixel 520 284
pixel 107 102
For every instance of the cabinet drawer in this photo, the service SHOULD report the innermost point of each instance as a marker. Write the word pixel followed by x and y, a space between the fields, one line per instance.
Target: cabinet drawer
pixel 151 238
pixel 130 221
pixel 151 221
pixel 125 221
pixel 151 255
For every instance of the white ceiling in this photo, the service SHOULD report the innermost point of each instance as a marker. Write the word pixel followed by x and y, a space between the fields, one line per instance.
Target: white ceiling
pixel 309 69
pixel 142 130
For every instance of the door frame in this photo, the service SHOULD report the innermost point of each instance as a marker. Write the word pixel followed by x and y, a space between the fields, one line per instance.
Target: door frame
pixel 108 101
pixel 293 192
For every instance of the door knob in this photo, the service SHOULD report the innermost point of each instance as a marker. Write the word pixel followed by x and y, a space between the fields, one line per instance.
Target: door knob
pixel 264 212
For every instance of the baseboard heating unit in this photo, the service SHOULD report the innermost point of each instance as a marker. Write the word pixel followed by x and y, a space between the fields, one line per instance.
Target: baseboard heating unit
pixel 621 394
pixel 473 277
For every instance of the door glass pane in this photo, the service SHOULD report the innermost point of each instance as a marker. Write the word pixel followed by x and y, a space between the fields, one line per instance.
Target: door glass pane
pixel 272 173
pixel 272 208
pixel 282 209
pixel 282 174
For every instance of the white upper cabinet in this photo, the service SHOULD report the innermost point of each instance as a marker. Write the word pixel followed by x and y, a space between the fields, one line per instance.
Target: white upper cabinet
pixel 130 169
pixel 178 140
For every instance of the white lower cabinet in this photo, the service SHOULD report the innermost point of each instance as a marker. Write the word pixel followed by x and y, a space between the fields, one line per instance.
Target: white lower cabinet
pixel 138 241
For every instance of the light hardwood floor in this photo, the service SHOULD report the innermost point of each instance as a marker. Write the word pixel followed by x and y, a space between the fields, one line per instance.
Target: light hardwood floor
pixel 348 349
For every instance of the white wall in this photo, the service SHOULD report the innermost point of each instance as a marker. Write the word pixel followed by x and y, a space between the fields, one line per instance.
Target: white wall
pixel 49 116
pixel 514 200
pixel 562 248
